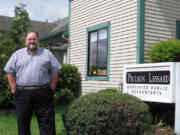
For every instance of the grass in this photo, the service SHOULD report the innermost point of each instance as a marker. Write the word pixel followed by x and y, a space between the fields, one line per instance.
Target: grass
pixel 8 122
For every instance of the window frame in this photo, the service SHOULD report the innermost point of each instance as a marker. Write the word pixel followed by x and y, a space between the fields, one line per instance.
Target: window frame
pixel 89 30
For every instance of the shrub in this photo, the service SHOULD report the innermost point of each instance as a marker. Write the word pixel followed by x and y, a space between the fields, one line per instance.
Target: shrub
pixel 64 97
pixel 165 51
pixel 69 78
pixel 108 90
pixel 6 98
pixel 106 114
pixel 160 129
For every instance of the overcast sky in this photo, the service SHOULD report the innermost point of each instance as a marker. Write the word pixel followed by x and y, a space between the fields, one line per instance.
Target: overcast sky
pixel 40 10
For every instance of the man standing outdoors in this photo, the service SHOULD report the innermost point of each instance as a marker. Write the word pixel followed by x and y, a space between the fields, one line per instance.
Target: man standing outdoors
pixel 32 74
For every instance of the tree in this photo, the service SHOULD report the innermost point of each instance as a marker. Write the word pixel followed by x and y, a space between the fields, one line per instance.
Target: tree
pixel 11 40
pixel 20 25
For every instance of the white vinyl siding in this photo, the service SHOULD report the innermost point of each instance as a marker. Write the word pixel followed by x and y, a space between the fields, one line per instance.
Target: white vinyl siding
pixel 160 21
pixel 122 14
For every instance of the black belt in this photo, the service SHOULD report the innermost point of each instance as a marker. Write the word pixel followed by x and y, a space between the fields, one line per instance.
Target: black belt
pixel 33 87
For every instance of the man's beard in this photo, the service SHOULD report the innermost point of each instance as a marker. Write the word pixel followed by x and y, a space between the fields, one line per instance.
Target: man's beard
pixel 32 47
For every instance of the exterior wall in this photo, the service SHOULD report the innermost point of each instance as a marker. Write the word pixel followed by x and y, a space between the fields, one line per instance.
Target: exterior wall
pixel 160 21
pixel 122 16
pixel 60 55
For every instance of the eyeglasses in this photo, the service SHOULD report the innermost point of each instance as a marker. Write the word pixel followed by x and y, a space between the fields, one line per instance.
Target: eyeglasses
pixel 34 39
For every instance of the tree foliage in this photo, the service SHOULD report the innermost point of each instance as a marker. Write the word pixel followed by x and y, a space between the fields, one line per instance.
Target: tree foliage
pixel 11 40
pixel 20 25
pixel 165 51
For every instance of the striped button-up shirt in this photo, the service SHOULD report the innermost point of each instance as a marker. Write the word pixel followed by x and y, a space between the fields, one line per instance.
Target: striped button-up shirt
pixel 32 69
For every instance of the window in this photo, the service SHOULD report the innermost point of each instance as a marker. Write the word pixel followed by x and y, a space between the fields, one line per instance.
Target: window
pixel 98 51
pixel 178 29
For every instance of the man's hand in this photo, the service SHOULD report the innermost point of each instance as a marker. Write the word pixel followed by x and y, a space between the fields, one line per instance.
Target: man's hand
pixel 13 91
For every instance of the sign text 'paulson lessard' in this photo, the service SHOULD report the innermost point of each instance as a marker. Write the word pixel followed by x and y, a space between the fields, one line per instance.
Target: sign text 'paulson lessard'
pixel 148 77
pixel 149 82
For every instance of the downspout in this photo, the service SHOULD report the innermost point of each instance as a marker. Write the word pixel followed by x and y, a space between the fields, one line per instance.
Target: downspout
pixel 68 49
pixel 49 48
pixel 69 39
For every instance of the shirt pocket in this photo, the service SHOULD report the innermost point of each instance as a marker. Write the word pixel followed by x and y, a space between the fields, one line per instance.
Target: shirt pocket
pixel 43 75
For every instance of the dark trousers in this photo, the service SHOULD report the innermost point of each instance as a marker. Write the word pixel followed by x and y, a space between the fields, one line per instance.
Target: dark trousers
pixel 40 101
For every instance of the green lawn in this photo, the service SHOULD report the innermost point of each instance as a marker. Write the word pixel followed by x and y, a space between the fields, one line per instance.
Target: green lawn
pixel 8 122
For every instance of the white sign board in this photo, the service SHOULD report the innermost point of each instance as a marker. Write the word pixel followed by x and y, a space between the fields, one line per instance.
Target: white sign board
pixel 157 82
pixel 150 82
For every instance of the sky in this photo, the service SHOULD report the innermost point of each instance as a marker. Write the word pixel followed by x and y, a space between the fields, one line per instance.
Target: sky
pixel 40 10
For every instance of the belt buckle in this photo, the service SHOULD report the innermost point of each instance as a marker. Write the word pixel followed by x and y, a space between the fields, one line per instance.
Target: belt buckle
pixel 31 88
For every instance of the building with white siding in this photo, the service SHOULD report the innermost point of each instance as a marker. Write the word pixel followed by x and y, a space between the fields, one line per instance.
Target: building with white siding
pixel 104 35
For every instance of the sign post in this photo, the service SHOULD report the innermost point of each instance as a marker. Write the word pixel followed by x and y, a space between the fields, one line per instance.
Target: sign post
pixel 156 82
pixel 177 107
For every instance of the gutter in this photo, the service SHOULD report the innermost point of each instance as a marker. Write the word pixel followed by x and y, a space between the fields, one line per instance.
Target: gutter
pixel 64 32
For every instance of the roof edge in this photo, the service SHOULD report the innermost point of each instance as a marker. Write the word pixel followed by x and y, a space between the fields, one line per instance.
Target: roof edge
pixel 63 32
